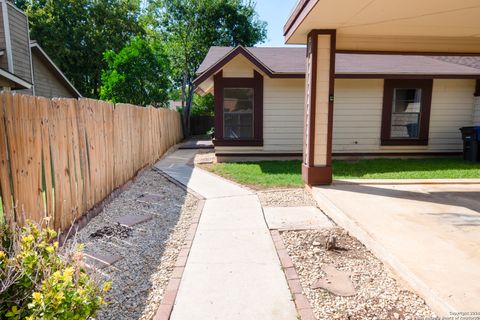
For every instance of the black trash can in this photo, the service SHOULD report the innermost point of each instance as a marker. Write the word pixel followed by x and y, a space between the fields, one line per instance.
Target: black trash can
pixel 471 143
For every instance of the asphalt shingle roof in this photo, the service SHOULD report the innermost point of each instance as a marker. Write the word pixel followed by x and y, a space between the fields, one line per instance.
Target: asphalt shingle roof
pixel 292 60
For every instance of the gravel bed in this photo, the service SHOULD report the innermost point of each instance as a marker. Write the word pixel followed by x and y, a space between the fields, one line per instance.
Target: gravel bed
pixel 379 295
pixel 286 198
pixel 148 251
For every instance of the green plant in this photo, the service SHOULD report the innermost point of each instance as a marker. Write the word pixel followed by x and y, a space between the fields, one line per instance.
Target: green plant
pixel 39 280
pixel 211 132
pixel 203 105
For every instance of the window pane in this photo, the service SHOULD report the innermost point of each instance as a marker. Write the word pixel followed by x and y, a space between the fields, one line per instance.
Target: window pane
pixel 406 113
pixel 405 125
pixel 407 100
pixel 238 113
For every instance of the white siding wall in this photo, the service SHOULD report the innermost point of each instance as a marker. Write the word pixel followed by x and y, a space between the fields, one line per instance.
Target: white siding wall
pixel 283 115
pixel 357 115
pixel 358 112
pixel 239 67
pixel 282 111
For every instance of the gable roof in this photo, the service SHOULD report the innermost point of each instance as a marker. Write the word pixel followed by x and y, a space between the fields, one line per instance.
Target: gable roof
pixel 36 49
pixel 278 60
pixel 271 61
pixel 290 62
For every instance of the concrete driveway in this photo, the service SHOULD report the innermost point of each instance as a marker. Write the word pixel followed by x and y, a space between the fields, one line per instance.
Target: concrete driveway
pixel 428 233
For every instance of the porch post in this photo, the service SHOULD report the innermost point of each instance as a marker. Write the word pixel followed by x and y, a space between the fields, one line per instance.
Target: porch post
pixel 319 96
pixel 476 106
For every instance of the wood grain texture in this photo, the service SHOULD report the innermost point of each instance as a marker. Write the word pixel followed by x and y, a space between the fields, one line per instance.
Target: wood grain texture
pixel 61 157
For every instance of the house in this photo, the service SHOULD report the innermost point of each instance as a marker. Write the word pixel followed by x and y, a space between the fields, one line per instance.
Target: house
pixel 401 85
pixel 361 98
pixel 24 65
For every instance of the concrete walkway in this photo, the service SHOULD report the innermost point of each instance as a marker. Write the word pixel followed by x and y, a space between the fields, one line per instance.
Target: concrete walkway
pixel 430 235
pixel 233 271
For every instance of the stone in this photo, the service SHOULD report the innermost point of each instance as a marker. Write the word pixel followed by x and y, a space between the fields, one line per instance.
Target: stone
pixel 336 282
pixel 132 220
pixel 101 261
pixel 331 243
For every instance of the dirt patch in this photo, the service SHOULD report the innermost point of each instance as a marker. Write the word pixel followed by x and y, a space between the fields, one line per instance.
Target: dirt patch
pixel 115 230
pixel 379 295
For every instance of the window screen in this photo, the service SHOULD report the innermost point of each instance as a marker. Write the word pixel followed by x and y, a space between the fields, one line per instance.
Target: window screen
pixel 238 113
pixel 406 110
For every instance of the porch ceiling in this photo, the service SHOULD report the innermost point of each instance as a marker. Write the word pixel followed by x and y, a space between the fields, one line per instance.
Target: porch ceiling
pixel 399 18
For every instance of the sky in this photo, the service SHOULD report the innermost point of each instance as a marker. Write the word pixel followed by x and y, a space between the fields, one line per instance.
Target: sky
pixel 276 13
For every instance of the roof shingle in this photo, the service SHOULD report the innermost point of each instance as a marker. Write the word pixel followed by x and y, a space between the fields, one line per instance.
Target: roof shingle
pixel 292 60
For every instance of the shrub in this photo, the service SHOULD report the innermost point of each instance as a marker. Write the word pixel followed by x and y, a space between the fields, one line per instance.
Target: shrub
pixel 39 280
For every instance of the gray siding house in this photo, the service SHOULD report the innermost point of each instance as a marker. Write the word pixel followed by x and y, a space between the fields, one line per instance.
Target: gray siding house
pixel 24 66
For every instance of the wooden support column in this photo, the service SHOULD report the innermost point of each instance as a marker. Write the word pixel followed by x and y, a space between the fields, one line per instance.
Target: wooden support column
pixel 319 96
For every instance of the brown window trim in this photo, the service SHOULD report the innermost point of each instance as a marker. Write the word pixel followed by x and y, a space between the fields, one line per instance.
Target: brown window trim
pixel 256 83
pixel 390 84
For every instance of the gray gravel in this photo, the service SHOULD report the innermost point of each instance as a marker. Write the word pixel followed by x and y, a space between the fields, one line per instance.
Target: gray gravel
pixel 379 295
pixel 149 252
pixel 286 198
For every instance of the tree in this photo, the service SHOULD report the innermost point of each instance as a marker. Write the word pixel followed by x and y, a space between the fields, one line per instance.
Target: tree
pixel 191 27
pixel 76 33
pixel 203 105
pixel 138 74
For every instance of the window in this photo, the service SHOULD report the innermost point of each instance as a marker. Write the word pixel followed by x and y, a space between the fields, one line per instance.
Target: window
pixel 238 106
pixel 238 111
pixel 406 112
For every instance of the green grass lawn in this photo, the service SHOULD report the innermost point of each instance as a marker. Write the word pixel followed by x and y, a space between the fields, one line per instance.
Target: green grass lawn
pixel 287 174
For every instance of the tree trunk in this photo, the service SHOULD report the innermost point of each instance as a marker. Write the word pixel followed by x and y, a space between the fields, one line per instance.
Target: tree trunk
pixel 189 103
pixel 185 114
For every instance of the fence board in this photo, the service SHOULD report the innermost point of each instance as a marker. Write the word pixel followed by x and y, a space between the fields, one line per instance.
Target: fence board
pixel 24 150
pixel 44 106
pixel 5 167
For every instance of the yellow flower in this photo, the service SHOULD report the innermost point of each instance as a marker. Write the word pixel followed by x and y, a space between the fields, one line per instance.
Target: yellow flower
pixel 67 274
pixel 28 238
pixel 107 286
pixel 37 296
pixel 59 296
pixel 50 249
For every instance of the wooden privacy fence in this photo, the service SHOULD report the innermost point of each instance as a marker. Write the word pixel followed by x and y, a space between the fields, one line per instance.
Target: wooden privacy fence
pixel 60 157
pixel 201 124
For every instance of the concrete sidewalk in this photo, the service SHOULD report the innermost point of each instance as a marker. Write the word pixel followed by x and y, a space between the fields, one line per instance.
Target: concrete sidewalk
pixel 233 271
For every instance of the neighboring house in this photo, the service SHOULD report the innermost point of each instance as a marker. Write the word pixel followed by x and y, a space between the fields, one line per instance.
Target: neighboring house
pixel 434 97
pixel 394 78
pixel 24 66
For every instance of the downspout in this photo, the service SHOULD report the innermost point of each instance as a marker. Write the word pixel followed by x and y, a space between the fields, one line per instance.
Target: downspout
pixel 31 59
pixel 8 38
